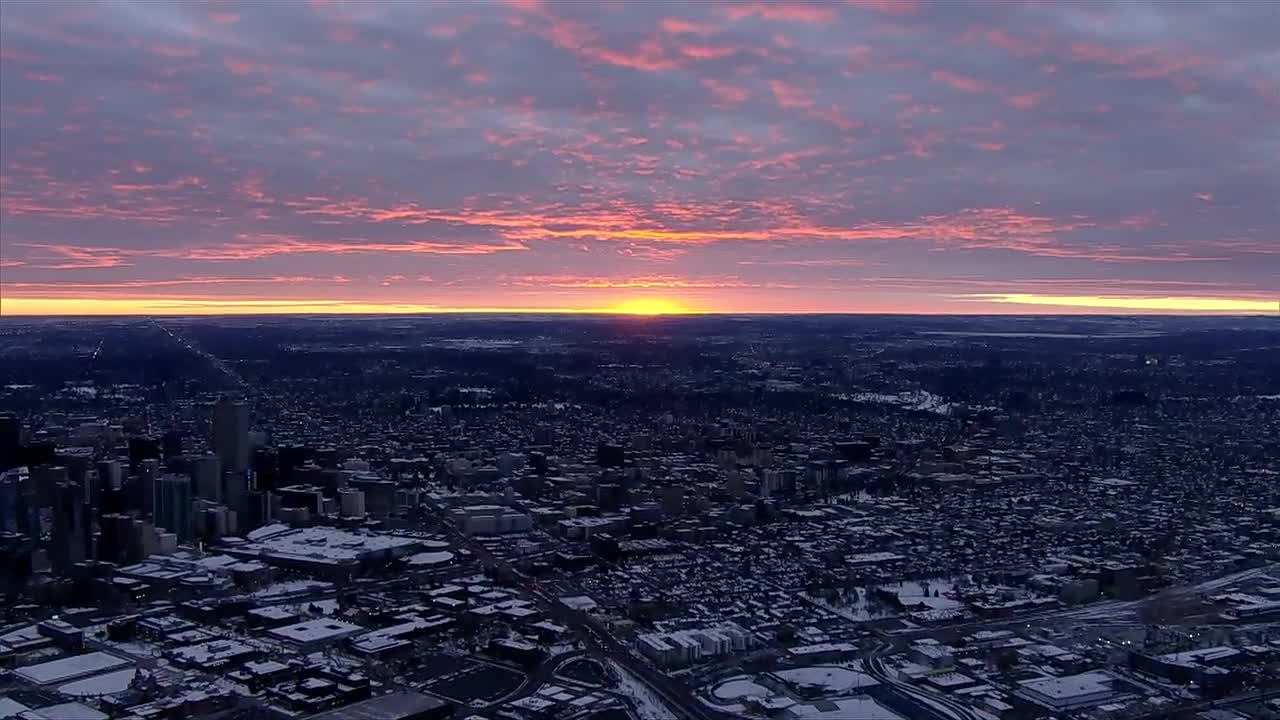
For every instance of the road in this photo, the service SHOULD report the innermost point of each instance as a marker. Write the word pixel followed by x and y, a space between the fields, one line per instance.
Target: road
pixel 215 362
pixel 1098 611
pixel 537 677
pixel 928 700
pixel 1106 610
pixel 599 643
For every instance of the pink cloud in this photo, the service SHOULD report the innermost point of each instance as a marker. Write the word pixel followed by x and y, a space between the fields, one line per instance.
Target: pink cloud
pixel 707 52
pixel 887 7
pixel 788 11
pixel 957 81
pixel 726 92
pixel 237 66
pixel 1029 101
pixel 790 96
pixel 678 26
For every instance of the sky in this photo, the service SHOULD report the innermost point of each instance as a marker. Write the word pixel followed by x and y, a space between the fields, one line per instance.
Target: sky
pixel 651 156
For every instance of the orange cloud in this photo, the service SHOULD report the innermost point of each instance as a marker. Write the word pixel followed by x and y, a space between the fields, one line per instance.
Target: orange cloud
pixel 789 11
pixel 957 81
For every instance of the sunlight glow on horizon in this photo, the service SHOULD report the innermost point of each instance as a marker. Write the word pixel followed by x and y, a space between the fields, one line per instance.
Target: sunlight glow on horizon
pixel 1004 303
pixel 651 306
pixel 1174 304
pixel 64 306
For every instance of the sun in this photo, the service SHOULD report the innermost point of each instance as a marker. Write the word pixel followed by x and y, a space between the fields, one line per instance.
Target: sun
pixel 650 306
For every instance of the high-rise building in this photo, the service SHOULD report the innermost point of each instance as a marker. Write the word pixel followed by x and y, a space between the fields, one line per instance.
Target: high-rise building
pixel 142 488
pixel 18 511
pixel 351 502
pixel 142 448
pixel 213 521
pixel 171 444
pixel 235 486
pixel 289 459
pixel 379 494
pixel 256 510
pixel 206 476
pixel 110 474
pixel 231 434
pixel 70 533
pixel 10 439
pixel 266 468
pixel 115 537
pixel 173 505
pixel 78 461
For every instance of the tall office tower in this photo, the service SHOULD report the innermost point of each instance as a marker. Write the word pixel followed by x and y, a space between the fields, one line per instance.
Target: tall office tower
pixel 78 461
pixel 172 505
pixel 46 479
pixel 142 448
pixel 70 533
pixel 10 439
pixel 18 511
pixel 231 434
pixel 144 541
pixel 206 475
pixel 266 468
pixel 351 503
pixel 171 444
pixel 256 510
pixel 110 474
pixel 143 493
pixel 111 493
pixel 115 537
pixel 289 458
pixel 235 486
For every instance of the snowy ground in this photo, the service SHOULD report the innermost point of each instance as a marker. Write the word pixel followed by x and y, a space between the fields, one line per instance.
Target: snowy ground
pixel 862 708
pixel 107 684
pixel 831 679
pixel 287 587
pixel 647 704
pixel 740 687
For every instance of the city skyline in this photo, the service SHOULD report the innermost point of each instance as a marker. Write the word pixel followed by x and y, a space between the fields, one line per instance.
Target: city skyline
pixel 647 158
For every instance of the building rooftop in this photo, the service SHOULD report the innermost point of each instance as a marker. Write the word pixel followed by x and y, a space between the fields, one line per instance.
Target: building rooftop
pixel 403 705
pixel 310 631
pixel 1070 686
pixel 322 544
pixel 70 668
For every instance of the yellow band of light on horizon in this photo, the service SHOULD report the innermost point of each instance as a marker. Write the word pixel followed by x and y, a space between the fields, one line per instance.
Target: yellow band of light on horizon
pixel 67 306
pixel 13 306
pixel 1168 304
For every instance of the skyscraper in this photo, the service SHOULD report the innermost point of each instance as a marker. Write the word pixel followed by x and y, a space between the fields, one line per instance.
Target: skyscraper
pixel 235 485
pixel 142 489
pixel 142 448
pixel 67 546
pixel 10 439
pixel 18 511
pixel 206 473
pixel 231 434
pixel 173 505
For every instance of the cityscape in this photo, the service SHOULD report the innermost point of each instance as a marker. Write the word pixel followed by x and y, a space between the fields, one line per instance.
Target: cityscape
pixel 640 518
pixel 639 360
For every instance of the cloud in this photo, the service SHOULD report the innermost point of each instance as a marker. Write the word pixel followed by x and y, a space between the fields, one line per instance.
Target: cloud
pixel 798 142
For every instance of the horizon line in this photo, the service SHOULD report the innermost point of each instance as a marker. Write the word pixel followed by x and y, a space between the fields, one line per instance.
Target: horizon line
pixel 984 304
pixel 495 312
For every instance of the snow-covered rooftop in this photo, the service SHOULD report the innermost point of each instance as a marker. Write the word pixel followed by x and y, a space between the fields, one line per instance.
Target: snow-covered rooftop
pixel 322 544
pixel 70 668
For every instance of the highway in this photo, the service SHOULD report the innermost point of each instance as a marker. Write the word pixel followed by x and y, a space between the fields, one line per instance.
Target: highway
pixel 927 700
pixel 599 643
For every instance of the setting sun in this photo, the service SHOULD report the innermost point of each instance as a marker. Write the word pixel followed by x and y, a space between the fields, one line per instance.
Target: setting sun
pixel 650 306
